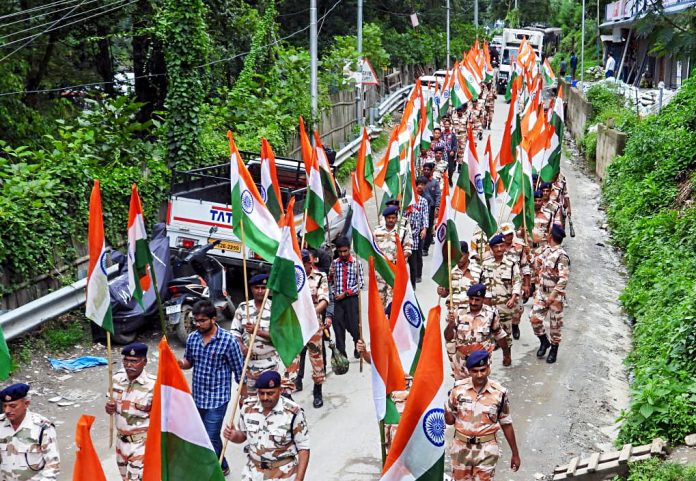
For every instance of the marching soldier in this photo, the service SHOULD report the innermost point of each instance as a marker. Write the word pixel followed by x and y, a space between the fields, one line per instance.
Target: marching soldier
pixel 385 237
pixel 319 287
pixel 490 104
pixel 478 407
pixel 517 249
pixel 473 328
pixel 546 214
pixel 132 400
pixel 460 121
pixel 275 431
pixel 264 356
pixel 559 193
pixel 29 450
pixel 553 268
pixel 501 274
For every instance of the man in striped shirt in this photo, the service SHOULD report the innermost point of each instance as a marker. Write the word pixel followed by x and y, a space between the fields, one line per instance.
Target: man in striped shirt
pixel 419 228
pixel 345 282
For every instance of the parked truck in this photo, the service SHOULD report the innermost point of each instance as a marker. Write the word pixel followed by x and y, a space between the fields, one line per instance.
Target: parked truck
pixel 511 41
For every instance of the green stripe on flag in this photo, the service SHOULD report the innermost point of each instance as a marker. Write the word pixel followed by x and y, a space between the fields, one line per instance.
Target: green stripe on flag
pixel 442 275
pixel 273 204
pixel 315 211
pixel 184 461
pixel 327 185
pixel 364 249
pixel 436 472
pixel 285 330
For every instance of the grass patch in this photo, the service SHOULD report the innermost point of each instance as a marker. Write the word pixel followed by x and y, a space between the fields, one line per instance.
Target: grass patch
pixel 658 470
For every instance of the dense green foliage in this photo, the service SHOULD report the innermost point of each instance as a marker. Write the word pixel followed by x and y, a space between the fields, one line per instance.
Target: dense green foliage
pixel 649 197
pixel 657 470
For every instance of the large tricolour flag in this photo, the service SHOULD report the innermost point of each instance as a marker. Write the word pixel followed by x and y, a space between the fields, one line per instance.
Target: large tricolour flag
pixel 98 304
pixel 269 181
pixel 315 208
pixel 447 249
pixel 177 447
pixel 260 230
pixel 418 450
pixel 139 256
pixel 553 166
pixel 293 319
pixel 387 373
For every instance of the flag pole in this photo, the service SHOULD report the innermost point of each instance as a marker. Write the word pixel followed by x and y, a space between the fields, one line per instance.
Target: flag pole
pixel 163 321
pixel 110 361
pixel 382 441
pixel 235 405
pixel 244 269
pixel 449 271
pixel 360 336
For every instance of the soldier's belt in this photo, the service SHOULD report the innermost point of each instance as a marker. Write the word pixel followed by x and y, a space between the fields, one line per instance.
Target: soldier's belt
pixel 266 465
pixel 474 439
pixel 133 438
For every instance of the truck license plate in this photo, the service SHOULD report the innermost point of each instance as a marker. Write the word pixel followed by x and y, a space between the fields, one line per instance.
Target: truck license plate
pixel 229 246
pixel 173 309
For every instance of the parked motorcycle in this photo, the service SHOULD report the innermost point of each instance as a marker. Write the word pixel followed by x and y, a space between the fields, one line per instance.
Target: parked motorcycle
pixel 209 282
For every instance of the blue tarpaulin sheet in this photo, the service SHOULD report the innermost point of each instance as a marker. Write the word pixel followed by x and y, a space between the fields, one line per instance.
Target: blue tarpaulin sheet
pixel 74 365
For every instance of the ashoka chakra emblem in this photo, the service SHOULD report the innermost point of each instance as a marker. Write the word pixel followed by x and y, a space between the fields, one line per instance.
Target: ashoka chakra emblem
pixel 262 193
pixel 434 426
pixel 412 314
pixel 479 183
pixel 247 202
pixel 300 277
pixel 441 232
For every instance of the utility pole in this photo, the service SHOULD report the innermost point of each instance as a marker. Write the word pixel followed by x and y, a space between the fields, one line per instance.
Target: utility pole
pixel 476 5
pixel 448 34
pixel 582 46
pixel 359 85
pixel 313 63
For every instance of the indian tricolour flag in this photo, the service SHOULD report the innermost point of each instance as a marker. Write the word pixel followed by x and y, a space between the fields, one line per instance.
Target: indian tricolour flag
pixel 293 319
pixel 553 166
pixel 260 231
pixel 98 304
pixel 387 178
pixel 364 243
pixel 269 181
pixel 139 256
pixel 387 373
pixel 447 249
pixel 512 136
pixel 490 178
pixel 314 207
pixel 177 447
pixel 327 179
pixel 521 190
pixel 469 194
pixel 418 450
pixel 365 165
pixel 406 318
pixel 547 72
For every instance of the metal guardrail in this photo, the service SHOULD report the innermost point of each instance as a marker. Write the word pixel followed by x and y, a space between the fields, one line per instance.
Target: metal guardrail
pixel 29 316
pixel 388 105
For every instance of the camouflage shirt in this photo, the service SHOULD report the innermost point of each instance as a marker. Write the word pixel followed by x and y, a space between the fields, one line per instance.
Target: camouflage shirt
pixel 319 287
pixel 279 435
pixel 461 282
pixel 502 279
pixel 132 398
pixel 519 253
pixel 22 456
pixel 478 413
pixel 386 241
pixel 559 189
pixel 548 215
pixel 263 348
pixel 553 268
pixel 479 330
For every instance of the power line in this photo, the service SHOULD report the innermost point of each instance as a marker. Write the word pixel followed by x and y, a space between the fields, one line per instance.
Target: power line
pixel 43 24
pixel 39 34
pixel 94 84
pixel 41 7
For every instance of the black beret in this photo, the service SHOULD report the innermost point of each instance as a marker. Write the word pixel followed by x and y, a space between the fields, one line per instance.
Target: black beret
pixel 305 254
pixel 135 349
pixel 429 165
pixel 392 202
pixel 421 180
pixel 14 392
pixel 558 232
pixel 464 246
pixel 496 239
pixel 258 280
pixel 538 194
pixel 477 290
pixel 390 210
pixel 477 359
pixel 545 185
pixel 268 380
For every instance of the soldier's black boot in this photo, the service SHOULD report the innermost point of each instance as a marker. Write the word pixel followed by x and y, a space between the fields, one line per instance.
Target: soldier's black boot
pixel 318 400
pixel 545 344
pixel 553 353
pixel 516 331
pixel 298 384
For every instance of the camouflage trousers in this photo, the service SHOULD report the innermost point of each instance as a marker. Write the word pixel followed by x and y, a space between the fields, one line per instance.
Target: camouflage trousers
pixel 273 363
pixel 474 462
pixel 286 472
pixel 316 359
pixel 506 315
pixel 389 433
pixel 130 458
pixel 451 348
pixel 517 313
pixel 385 291
pixel 554 308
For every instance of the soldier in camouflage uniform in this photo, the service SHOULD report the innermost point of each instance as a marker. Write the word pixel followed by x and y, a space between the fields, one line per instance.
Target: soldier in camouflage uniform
pixel 385 237
pixel 517 249
pixel 480 249
pixel 459 124
pixel 478 407
pixel 501 275
pixel 28 446
pixel 276 435
pixel 473 328
pixel 546 214
pixel 264 356
pixel 490 104
pixel 319 287
pixel 132 400
pixel 559 194
pixel 553 268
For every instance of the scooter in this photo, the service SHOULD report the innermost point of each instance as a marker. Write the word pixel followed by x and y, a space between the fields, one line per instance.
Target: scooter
pixel 209 282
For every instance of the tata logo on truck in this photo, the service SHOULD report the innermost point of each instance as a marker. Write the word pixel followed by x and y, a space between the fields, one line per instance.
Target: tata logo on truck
pixel 220 216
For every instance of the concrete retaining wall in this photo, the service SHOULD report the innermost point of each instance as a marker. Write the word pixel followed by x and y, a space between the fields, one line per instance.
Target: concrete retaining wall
pixel 578 110
pixel 610 143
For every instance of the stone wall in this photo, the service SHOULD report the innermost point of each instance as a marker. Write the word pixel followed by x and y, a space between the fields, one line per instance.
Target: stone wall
pixel 610 143
pixel 578 110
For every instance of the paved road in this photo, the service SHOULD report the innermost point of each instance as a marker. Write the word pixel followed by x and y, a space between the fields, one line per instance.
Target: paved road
pixel 558 411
